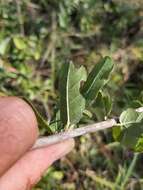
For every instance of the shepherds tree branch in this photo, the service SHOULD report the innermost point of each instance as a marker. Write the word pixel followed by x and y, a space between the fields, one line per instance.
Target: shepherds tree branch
pixel 53 139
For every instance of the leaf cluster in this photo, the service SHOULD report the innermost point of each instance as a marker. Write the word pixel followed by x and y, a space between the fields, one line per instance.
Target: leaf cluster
pixel 130 130
pixel 74 97
pixel 78 91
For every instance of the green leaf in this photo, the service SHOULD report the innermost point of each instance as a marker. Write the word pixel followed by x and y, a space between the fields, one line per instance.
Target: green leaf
pixel 42 123
pixel 97 78
pixel 72 103
pixel 87 113
pixel 139 144
pixel 4 46
pixel 19 42
pixel 63 17
pixel 102 106
pixel 55 124
pixel 132 136
pixel 140 117
pixel 57 175
pixel 116 131
pixel 128 116
pixel 107 104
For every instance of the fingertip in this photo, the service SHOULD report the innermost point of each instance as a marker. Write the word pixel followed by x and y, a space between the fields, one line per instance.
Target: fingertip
pixel 56 151
pixel 30 167
pixel 65 147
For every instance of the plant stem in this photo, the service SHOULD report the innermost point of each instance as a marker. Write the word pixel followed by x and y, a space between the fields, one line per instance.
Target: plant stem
pixel 129 171
pixel 71 133
pixel 53 139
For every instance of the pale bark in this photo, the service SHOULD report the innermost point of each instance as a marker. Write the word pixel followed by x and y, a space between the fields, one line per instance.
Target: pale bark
pixel 72 133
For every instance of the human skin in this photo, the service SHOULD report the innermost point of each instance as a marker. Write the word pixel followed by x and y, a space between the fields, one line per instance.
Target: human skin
pixel 27 171
pixel 18 130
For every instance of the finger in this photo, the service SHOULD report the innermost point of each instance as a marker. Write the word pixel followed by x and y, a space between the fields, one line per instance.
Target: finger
pixel 18 130
pixel 29 169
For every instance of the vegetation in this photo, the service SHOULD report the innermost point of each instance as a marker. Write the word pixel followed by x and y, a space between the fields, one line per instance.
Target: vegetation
pixel 36 40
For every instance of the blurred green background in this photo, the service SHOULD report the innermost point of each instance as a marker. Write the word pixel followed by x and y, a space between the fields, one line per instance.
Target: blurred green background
pixel 36 37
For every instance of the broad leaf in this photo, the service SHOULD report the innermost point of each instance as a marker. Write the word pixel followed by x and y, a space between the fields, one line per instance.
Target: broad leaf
pixel 132 137
pixel 72 103
pixel 128 116
pixel 102 106
pixel 97 78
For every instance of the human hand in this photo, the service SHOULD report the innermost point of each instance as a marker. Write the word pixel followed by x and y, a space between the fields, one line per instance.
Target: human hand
pixel 27 171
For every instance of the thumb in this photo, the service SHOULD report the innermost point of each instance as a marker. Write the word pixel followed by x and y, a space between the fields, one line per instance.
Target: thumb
pixel 29 169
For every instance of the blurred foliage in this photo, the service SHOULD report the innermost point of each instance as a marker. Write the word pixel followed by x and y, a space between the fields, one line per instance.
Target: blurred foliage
pixel 36 37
